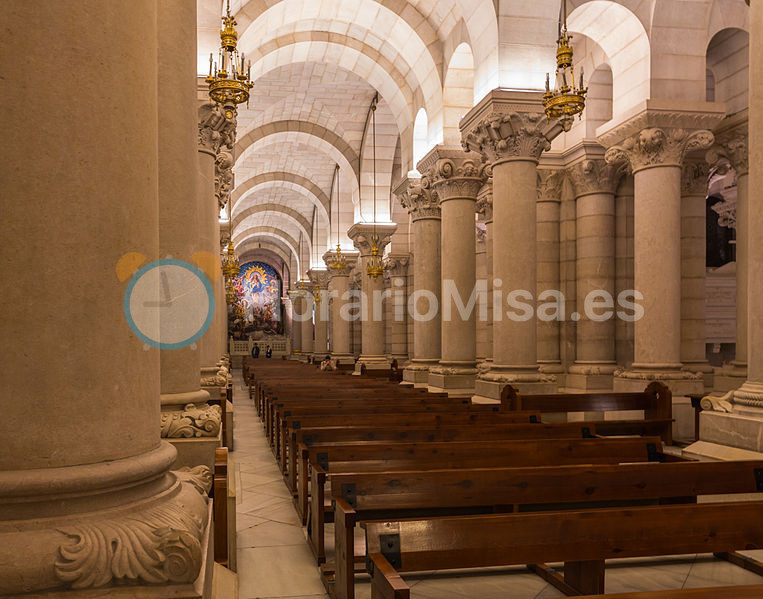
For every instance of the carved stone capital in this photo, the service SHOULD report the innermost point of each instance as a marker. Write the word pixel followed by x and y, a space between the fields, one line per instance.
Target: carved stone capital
pixel 396 265
pixel 364 235
pixel 732 144
pixel 657 146
pixel 452 173
pixel 418 199
pixel 223 177
pixel 694 176
pixel 595 176
pixel 550 185
pixel 191 422
pixel 215 131
pixel 509 125
pixel 331 260
pixel 319 277
pixel 485 197
pixel 219 379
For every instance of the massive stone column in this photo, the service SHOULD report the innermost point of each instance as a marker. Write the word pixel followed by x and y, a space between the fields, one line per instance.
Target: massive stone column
pixel 86 496
pixel 372 312
pixel 624 266
pixel 421 203
pixel 456 177
pixel 339 267
pixel 297 313
pixel 396 269
pixel 654 143
pixel 749 398
pixel 548 215
pixel 693 244
pixel 731 144
pixel 304 317
pixel 485 210
pixel 595 183
pixel 511 131
pixel 320 280
pixel 182 399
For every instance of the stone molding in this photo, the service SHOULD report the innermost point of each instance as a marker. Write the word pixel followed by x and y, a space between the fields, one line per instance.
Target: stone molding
pixel 330 259
pixel 592 176
pixel 452 173
pixel 510 125
pixel 396 265
pixel 418 199
pixel 154 540
pixel 694 175
pixel 191 422
pixel 550 183
pixel 362 236
pixel 219 379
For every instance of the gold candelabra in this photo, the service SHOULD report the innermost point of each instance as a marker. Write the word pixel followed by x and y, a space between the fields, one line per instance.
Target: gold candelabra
pixel 566 99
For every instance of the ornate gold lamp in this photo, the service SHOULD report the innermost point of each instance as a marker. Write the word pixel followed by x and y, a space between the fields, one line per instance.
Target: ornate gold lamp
pixel 339 263
pixel 229 78
pixel 374 267
pixel 230 263
pixel 566 99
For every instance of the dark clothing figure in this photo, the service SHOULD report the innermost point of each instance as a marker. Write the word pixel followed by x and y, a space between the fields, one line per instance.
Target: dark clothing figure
pixel 256 351
pixel 268 352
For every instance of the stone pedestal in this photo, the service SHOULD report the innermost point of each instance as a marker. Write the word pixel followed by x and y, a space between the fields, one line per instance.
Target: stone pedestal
pixel 654 143
pixel 88 504
pixel 363 235
pixel 511 131
pixel 456 177
pixel 594 182
pixel 424 303
pixel 339 267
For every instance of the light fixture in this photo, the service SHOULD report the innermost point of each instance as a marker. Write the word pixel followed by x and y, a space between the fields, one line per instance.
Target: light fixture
pixel 566 99
pixel 229 79
pixel 230 264
pixel 374 267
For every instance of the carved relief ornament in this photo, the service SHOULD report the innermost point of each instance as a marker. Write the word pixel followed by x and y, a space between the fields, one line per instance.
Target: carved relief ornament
pixel 595 176
pixel 655 146
pixel 514 135
pixel 453 173
pixel 420 200
pixel 192 421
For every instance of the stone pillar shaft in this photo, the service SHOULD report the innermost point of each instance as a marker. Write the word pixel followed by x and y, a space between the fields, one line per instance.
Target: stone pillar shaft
pixel 339 288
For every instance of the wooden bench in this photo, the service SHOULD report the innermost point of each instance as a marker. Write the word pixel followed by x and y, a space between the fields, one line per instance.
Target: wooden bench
pixel 220 506
pixel 383 457
pixel 390 495
pixel 656 401
pixel 581 539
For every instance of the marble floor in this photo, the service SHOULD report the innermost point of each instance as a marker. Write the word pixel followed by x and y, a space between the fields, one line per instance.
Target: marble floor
pixel 274 560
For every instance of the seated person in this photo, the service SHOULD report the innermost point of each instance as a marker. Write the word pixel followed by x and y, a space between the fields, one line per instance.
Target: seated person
pixel 326 364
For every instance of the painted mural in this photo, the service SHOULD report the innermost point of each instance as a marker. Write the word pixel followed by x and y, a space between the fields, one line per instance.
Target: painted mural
pixel 258 288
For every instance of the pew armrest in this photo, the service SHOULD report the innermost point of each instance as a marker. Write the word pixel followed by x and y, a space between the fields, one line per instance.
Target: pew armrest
pixel 385 581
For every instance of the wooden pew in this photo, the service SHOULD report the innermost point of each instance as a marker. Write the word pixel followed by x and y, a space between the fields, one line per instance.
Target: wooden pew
pixel 656 401
pixel 582 539
pixel 382 457
pixel 220 506
pixel 754 591
pixel 390 495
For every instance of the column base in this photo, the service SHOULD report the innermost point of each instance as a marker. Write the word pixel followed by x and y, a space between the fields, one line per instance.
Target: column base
pixel 590 376
pixel 126 528
pixel 739 430
pixel 342 358
pixel 454 378
pixel 417 372
pixel 371 363
pixel 729 379
pixel 193 427
pixel 638 377
pixel 703 367
pixel 489 385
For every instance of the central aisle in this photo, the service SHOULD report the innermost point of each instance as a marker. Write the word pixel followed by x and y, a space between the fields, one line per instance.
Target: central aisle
pixel 275 562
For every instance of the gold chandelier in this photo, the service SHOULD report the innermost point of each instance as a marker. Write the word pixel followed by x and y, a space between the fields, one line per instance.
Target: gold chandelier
pixel 374 267
pixel 229 79
pixel 566 99
pixel 230 263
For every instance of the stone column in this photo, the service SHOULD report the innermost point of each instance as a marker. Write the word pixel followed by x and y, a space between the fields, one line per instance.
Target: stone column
pixel 339 267
pixel 356 309
pixel 485 210
pixel 548 215
pixel 731 143
pixel 372 307
pixel 624 266
pixel 693 244
pixel 320 281
pixel 396 268
pixel 297 313
pixel 214 132
pixel 595 183
pixel 480 250
pixel 421 203
pixel 456 177
pixel 654 144
pixel 749 397
pixel 511 131
pixel 87 501
pixel 304 316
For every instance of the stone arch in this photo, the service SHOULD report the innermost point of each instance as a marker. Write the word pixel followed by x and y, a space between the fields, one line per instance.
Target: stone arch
pixel 420 140
pixel 294 181
pixel 727 58
pixel 269 232
pixel 458 92
pixel 292 216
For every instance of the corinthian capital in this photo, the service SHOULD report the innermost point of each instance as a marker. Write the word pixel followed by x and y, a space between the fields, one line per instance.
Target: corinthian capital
pixel 223 177
pixel 340 265
pixel 418 199
pixel 550 183
pixel 656 146
pixel 694 176
pixel 396 265
pixel 452 173
pixel 364 235
pixel 595 176
pixel 731 143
